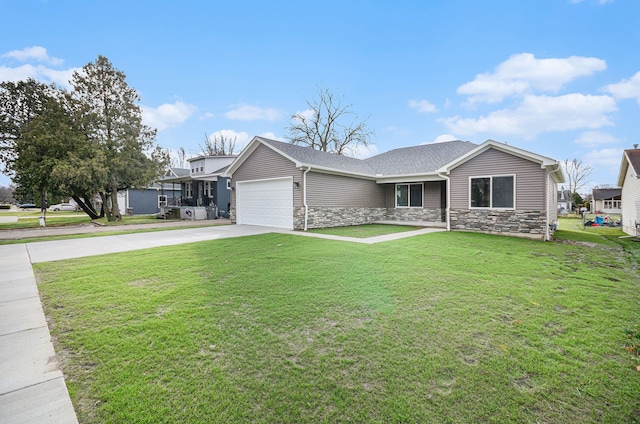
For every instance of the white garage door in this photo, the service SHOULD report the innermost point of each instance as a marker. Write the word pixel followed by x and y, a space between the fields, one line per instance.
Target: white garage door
pixel 265 202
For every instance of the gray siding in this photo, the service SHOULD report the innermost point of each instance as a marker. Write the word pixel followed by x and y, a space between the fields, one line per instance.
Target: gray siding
pixel 432 195
pixel 341 191
pixel 145 201
pixel 530 179
pixel 264 163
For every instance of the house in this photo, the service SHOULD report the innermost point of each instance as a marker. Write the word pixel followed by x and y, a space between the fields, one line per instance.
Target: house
pixel 458 185
pixel 606 200
pixel 629 180
pixel 145 201
pixel 565 199
pixel 203 185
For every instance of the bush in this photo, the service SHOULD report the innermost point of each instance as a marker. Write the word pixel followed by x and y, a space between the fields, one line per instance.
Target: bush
pixel 5 206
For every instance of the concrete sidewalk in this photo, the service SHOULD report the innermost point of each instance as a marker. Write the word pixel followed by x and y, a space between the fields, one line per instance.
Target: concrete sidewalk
pixel 32 386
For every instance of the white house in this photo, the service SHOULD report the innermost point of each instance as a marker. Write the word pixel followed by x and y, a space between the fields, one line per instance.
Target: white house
pixel 629 180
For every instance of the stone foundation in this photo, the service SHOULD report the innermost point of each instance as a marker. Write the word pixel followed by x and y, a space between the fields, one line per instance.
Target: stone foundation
pixel 325 217
pixel 529 224
pixel 415 214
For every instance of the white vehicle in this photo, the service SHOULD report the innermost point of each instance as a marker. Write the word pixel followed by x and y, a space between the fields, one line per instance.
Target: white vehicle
pixel 63 207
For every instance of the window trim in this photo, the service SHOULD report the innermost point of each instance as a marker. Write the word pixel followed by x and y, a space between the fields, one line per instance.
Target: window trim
pixel 188 190
pixel 491 177
pixel 409 195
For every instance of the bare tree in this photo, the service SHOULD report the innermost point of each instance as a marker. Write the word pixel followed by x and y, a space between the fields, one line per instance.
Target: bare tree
pixel 577 173
pixel 325 126
pixel 6 194
pixel 179 159
pixel 218 145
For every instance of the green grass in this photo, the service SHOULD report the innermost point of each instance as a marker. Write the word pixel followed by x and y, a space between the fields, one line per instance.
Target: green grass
pixel 441 328
pixel 61 219
pixel 364 231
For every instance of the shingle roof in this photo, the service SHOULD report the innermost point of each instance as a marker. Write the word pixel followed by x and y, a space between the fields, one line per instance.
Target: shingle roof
pixel 634 159
pixel 181 172
pixel 322 159
pixel 423 159
pixel 606 193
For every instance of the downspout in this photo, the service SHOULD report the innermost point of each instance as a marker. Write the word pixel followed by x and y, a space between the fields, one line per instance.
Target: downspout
pixel 547 235
pixel 448 208
pixel 304 197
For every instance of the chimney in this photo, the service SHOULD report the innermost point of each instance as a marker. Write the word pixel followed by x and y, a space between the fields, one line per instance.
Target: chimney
pixel 635 146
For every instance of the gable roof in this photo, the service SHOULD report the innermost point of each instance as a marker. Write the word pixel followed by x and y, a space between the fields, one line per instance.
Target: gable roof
pixel 551 165
pixel 606 193
pixel 305 156
pixel 629 157
pixel 406 162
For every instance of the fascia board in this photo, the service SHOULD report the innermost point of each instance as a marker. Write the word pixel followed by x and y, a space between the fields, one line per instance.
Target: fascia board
pixel 333 171
pixel 207 177
pixel 409 178
pixel 515 151
pixel 624 166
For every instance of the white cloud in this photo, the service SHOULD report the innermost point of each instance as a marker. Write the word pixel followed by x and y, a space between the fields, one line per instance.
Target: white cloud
pixel 523 73
pixel 242 138
pixel 39 73
pixel 253 113
pixel 606 159
pixel 271 136
pixel 445 137
pixel 595 138
pixel 537 114
pixel 36 53
pixel 306 114
pixel 626 89
pixel 363 152
pixel 167 115
pixel 422 106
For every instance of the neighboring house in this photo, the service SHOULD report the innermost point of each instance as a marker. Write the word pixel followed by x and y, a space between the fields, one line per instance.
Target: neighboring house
pixel 203 184
pixel 144 201
pixel 492 187
pixel 606 200
pixel 564 200
pixel 629 180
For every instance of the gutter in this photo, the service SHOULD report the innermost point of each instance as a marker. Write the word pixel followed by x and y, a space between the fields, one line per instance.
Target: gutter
pixel 304 197
pixel 448 208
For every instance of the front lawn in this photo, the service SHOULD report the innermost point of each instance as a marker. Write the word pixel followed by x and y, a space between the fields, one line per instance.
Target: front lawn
pixel 444 327
pixel 62 219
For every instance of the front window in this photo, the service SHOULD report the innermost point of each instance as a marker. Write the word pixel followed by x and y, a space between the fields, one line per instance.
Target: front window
pixel 612 204
pixel 493 192
pixel 188 190
pixel 409 195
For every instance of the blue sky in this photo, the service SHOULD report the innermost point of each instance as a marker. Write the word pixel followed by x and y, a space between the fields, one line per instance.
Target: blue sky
pixel 557 77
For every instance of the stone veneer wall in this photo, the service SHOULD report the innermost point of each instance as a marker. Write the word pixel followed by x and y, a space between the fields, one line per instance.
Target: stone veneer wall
pixel 415 214
pixel 530 224
pixel 324 217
